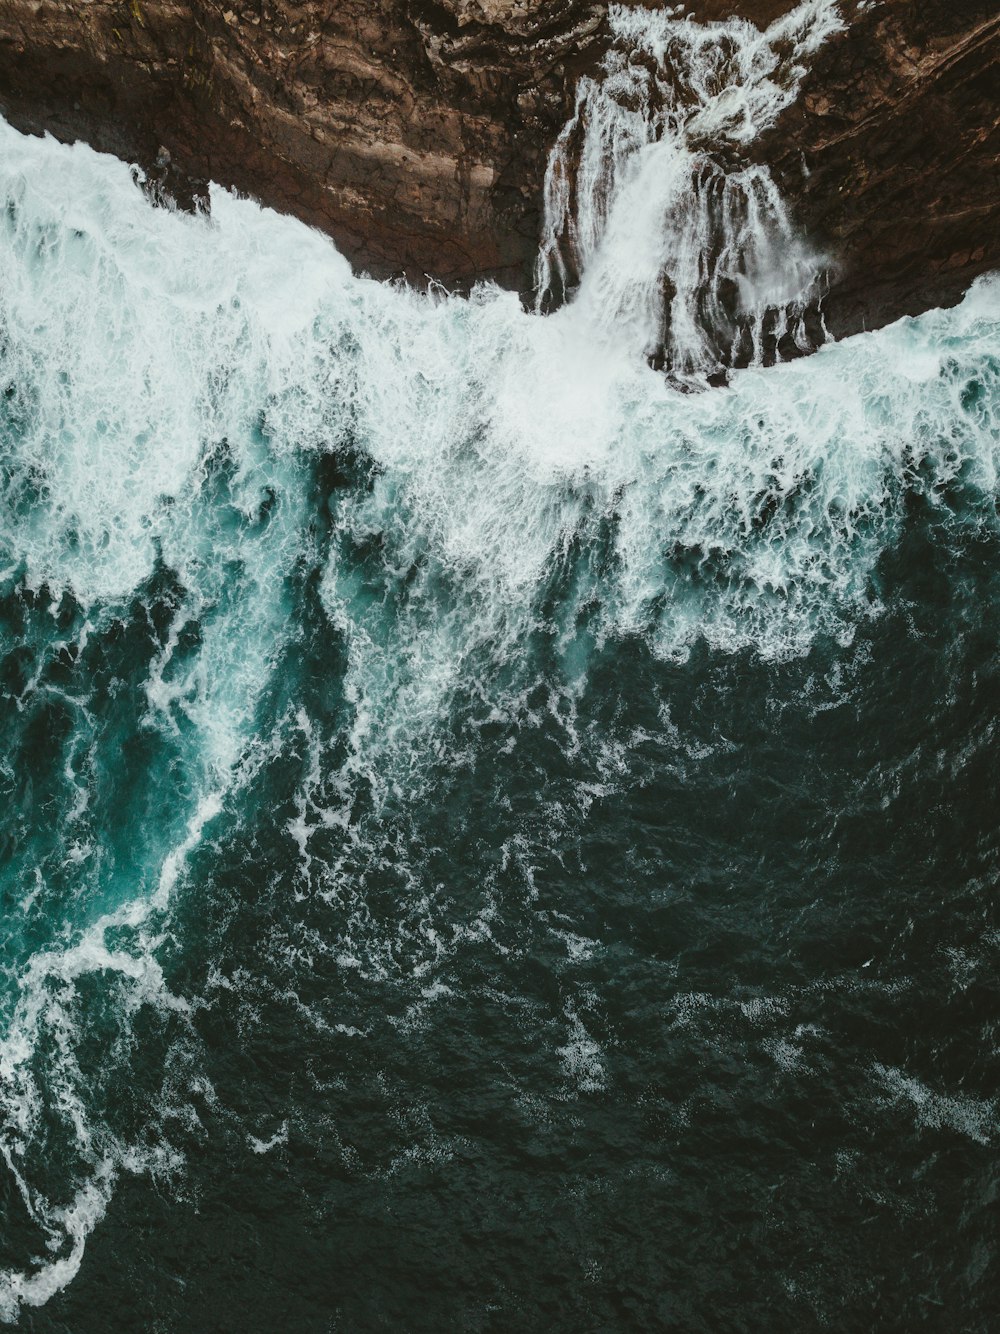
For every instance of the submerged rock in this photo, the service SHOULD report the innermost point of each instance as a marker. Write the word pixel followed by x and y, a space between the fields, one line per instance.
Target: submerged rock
pixel 416 132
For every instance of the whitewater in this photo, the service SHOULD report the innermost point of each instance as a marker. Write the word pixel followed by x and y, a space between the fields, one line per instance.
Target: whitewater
pixel 297 568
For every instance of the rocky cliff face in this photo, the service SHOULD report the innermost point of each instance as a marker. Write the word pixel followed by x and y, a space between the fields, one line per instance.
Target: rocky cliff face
pixel 416 131
pixel 892 156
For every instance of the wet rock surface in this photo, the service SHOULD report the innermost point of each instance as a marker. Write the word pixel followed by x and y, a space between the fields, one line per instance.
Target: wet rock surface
pixel 892 156
pixel 416 132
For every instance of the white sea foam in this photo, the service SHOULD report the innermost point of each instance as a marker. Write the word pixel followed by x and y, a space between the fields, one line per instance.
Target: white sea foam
pixel 581 1057
pixel 134 380
pixel 975 1118
pixel 41 1097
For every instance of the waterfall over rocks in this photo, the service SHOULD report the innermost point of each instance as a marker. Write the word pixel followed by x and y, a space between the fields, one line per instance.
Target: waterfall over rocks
pixel 657 226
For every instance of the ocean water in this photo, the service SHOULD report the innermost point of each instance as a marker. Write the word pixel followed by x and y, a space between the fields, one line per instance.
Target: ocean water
pixel 489 838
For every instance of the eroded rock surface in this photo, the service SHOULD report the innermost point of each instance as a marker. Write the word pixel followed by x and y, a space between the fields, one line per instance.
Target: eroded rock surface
pixel 416 131
pixel 892 156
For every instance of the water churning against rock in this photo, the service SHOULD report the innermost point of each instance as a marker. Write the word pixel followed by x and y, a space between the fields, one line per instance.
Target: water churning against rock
pixel 456 786
pixel 659 226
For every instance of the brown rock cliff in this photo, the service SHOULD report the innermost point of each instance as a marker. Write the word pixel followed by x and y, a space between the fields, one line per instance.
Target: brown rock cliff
pixel 892 156
pixel 416 131
pixel 413 131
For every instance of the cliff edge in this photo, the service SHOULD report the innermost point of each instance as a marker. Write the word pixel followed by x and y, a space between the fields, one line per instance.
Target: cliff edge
pixel 415 132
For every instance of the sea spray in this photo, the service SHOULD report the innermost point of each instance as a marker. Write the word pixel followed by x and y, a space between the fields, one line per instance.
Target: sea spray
pixel 668 239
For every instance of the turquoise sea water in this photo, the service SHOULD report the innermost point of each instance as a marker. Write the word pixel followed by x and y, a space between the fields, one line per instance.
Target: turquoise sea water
pixel 489 841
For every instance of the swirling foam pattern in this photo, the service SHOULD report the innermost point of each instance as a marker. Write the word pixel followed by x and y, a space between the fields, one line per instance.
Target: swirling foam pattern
pixel 479 824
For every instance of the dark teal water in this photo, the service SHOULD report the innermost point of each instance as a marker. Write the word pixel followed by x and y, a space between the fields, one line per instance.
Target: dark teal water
pixel 403 932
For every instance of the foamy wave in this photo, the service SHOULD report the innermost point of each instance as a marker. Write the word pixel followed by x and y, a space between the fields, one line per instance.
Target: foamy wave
pixel 169 386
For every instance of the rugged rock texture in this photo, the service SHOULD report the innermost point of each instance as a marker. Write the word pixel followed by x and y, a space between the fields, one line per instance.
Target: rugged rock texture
pixel 416 131
pixel 892 156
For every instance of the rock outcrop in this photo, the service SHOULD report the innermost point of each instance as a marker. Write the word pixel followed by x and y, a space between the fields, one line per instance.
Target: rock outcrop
pixel 891 156
pixel 413 131
pixel 416 131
